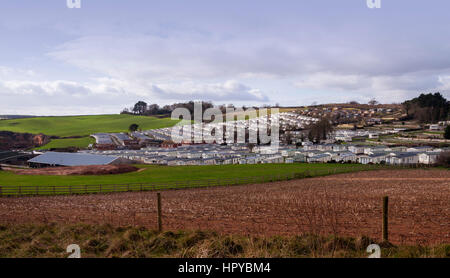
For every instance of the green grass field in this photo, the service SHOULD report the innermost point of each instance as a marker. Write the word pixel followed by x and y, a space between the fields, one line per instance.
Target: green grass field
pixel 162 176
pixel 67 126
pixel 70 142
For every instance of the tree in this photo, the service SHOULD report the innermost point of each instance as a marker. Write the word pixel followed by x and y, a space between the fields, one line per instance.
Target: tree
pixel 133 127
pixel 373 102
pixel 447 132
pixel 140 107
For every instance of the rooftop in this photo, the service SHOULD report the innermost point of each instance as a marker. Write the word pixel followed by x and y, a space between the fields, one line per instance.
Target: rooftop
pixel 72 159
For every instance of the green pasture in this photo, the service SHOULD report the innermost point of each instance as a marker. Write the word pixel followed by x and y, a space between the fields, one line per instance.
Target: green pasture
pixel 68 142
pixel 67 126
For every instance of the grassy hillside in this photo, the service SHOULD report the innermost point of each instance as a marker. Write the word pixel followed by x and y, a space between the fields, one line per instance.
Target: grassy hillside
pixel 67 126
pixel 102 241
pixel 161 174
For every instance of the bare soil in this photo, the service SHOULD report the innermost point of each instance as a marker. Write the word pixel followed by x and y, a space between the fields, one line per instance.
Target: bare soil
pixel 344 204
pixel 77 170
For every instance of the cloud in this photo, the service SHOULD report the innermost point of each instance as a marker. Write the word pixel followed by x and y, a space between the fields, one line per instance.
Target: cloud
pixel 385 88
pixel 444 80
pixel 251 59
pixel 192 55
pixel 106 93
pixel 13 73
pixel 227 91
pixel 188 65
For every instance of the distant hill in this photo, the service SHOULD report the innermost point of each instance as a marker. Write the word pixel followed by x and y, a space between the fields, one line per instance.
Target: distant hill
pixel 8 117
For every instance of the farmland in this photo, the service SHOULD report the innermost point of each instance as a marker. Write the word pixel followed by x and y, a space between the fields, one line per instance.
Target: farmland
pixel 67 126
pixel 161 174
pixel 342 205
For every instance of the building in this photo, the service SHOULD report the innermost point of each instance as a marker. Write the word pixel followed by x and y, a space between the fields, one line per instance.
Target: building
pixel 403 158
pixel 429 157
pixel 356 149
pixel 436 127
pixel 375 158
pixel 103 141
pixel 123 139
pixel 323 158
pixel 49 159
pixel 420 149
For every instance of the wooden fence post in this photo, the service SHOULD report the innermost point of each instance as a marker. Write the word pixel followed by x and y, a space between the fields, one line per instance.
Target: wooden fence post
pixel 384 226
pixel 159 212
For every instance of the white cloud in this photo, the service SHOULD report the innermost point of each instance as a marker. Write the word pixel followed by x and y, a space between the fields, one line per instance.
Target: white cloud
pixel 227 91
pixel 444 80
pixel 106 93
pixel 385 88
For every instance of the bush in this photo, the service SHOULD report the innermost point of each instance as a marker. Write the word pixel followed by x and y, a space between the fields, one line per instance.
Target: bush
pixel 447 132
pixel 444 160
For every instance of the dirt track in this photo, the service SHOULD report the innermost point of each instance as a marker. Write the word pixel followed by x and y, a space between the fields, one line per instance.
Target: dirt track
pixel 346 204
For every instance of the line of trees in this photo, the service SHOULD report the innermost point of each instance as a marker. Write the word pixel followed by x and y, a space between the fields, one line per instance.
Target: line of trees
pixel 144 109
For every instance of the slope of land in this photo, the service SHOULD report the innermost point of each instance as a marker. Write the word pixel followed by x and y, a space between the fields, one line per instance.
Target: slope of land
pixel 68 126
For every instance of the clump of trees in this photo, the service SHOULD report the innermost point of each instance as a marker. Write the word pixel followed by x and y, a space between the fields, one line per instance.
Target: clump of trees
pixel 428 108
pixel 320 130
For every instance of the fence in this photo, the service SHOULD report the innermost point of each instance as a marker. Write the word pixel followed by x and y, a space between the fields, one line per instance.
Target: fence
pixel 30 190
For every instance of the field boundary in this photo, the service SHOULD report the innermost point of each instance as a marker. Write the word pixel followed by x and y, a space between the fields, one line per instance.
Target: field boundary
pixel 45 190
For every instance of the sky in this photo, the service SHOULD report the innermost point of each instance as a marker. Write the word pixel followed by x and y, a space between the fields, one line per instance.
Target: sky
pixel 109 54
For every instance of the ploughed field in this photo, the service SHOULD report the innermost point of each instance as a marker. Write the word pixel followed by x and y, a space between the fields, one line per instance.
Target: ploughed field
pixel 344 204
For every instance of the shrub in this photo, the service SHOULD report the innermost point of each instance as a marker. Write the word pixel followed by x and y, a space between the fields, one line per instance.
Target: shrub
pixel 447 132
pixel 444 159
